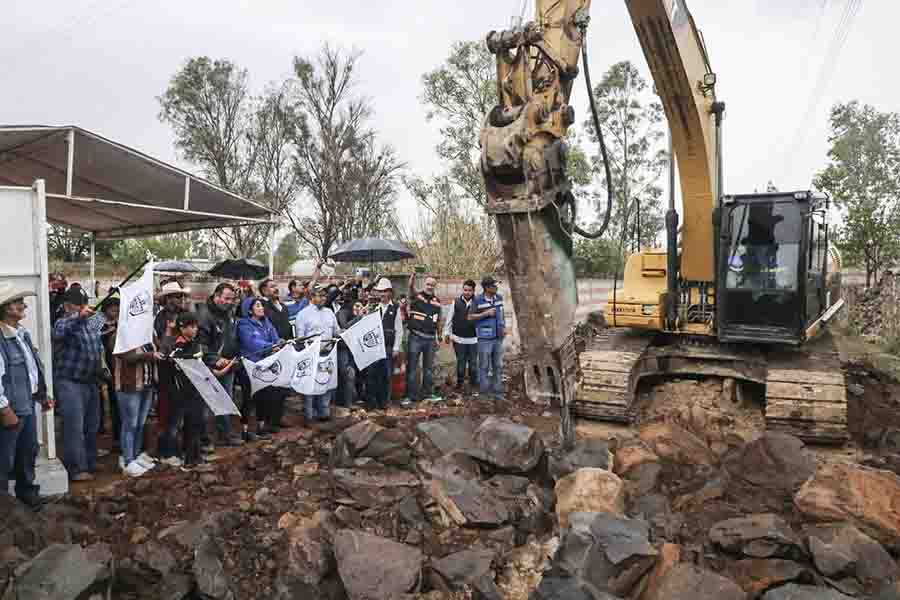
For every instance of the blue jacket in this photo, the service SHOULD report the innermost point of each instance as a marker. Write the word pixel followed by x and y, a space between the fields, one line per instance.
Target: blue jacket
pixel 256 338
pixel 14 377
pixel 488 328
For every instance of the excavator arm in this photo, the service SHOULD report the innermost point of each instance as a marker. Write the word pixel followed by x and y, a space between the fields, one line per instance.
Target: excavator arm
pixel 524 166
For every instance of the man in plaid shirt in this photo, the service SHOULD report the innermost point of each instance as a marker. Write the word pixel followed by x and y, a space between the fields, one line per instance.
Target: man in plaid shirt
pixel 76 366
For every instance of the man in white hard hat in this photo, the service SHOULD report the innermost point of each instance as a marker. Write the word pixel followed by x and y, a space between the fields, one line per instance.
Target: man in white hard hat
pixel 379 372
pixel 21 385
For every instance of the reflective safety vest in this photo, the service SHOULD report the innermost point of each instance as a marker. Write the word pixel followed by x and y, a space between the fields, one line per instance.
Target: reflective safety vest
pixel 424 315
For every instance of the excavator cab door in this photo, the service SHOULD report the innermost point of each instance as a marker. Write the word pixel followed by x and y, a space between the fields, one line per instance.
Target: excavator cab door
pixel 763 268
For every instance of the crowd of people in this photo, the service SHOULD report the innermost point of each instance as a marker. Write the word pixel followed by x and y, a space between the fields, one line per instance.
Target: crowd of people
pixel 236 321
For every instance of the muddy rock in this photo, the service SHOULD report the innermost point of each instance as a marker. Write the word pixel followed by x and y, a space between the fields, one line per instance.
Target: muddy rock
pixel 689 582
pixel 454 465
pixel 449 433
pixel 672 442
pixel 209 570
pixel 588 453
pixel 757 536
pixel 523 568
pixel 589 490
pixel 568 588
pixel 793 591
pixel 638 465
pixel 775 461
pixel 669 556
pixel 185 533
pixel 508 485
pixel 506 445
pixel 842 549
pixel 867 498
pixel 611 553
pixel 155 557
pixel 375 486
pixel 21 527
pixel 756 575
pixel 375 568
pixel 469 503
pixel 59 572
pixel 310 557
pixel 351 442
pixel 411 513
pixel 389 447
pixel 463 568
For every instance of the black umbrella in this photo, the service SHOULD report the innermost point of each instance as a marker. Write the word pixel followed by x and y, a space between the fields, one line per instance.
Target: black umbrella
pixel 240 268
pixel 371 250
pixel 175 266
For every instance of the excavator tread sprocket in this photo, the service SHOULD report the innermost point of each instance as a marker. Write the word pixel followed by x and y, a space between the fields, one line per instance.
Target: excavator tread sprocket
pixel 806 395
pixel 608 373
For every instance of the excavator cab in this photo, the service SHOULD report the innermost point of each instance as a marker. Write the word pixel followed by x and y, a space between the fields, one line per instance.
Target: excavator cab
pixel 773 266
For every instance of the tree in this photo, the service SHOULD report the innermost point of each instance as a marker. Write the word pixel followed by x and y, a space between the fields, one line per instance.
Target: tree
pixel 863 179
pixel 241 143
pixel 458 95
pixel 350 177
pixel 288 253
pixel 133 252
pixel 68 245
pixel 633 129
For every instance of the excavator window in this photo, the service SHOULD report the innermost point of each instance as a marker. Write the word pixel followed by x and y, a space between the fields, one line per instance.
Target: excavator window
pixel 764 252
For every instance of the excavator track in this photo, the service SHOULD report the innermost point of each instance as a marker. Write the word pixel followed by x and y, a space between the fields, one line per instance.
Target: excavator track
pixel 608 373
pixel 805 389
pixel 806 394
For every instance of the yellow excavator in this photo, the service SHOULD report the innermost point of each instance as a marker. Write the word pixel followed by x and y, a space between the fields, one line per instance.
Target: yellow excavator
pixel 743 287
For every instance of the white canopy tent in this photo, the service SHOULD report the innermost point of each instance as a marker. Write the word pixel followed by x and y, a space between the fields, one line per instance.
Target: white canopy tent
pixel 111 191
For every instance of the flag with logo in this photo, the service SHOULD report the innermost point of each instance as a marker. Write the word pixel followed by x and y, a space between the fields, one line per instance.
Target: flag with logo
pixel 365 338
pixel 207 386
pixel 326 378
pixel 276 370
pixel 304 375
pixel 135 327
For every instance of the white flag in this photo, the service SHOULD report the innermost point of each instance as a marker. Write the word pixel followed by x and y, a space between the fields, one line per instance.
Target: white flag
pixel 304 376
pixel 135 313
pixel 207 386
pixel 366 340
pixel 326 373
pixel 276 370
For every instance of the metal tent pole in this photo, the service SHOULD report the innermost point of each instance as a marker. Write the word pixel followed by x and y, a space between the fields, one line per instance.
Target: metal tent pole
pixel 272 252
pixel 94 266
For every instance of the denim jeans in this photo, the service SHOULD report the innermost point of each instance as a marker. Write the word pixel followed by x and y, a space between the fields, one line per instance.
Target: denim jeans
pixel 223 422
pixel 379 383
pixel 79 406
pixel 18 450
pixel 133 410
pixel 490 358
pixel 346 389
pixel 317 406
pixel 424 347
pixel 466 359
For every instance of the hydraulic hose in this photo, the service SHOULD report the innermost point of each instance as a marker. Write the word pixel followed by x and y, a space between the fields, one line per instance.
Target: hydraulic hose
pixel 593 235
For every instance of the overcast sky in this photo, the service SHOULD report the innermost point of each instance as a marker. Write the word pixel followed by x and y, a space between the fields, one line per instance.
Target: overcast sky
pixel 100 64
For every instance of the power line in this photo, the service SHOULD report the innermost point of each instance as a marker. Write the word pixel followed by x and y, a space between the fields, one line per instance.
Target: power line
pixel 829 64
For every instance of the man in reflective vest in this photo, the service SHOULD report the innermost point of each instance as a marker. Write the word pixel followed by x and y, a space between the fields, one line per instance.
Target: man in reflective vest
pixel 490 328
pixel 424 326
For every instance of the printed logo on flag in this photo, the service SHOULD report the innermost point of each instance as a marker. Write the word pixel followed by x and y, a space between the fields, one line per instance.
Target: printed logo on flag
pixel 372 339
pixel 140 304
pixel 304 368
pixel 267 374
pixel 324 371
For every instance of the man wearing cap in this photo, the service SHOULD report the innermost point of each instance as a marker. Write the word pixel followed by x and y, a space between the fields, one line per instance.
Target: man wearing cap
pixel 173 297
pixel 424 334
pixel 76 368
pixel 21 385
pixel 379 372
pixel 313 320
pixel 461 330
pixel 490 328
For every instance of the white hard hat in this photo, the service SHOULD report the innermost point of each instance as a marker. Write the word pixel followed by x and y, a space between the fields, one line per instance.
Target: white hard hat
pixel 383 284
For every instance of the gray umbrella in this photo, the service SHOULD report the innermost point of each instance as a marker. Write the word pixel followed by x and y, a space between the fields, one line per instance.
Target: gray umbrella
pixel 175 266
pixel 371 250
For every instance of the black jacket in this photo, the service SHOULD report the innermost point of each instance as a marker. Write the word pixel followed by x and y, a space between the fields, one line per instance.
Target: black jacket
pixel 280 319
pixel 216 332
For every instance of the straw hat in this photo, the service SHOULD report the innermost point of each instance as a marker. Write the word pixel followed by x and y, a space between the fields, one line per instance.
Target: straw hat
pixel 10 292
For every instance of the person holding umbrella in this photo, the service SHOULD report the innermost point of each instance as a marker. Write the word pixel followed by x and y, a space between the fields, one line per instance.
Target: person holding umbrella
pixel 21 385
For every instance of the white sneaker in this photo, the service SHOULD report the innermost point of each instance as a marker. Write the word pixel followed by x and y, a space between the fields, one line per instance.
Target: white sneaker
pixel 134 469
pixel 121 463
pixel 405 402
pixel 146 461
